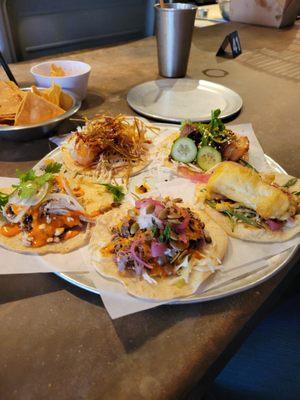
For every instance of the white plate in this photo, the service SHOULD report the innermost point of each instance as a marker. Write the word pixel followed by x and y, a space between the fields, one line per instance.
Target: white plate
pixel 175 100
pixel 276 263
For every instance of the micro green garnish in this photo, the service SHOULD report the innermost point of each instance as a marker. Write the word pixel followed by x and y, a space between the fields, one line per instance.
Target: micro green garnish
pixel 186 122
pixel 116 191
pixel 296 193
pixel 216 123
pixel 246 164
pixel 165 235
pixel 290 182
pixel 231 219
pixel 53 167
pixel 214 133
pixel 154 231
pixel 241 217
pixel 211 203
pixel 3 199
pixel 30 183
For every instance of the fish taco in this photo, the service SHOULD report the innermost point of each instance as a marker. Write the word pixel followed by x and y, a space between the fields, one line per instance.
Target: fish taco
pixel 252 206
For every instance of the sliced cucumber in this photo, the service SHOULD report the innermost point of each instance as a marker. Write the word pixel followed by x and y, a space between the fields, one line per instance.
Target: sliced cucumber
pixel 207 157
pixel 184 150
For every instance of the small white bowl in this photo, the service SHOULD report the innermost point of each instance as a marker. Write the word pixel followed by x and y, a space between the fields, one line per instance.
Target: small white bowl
pixel 75 81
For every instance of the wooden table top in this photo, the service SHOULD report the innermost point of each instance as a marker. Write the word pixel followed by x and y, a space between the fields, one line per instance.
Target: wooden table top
pixel 57 341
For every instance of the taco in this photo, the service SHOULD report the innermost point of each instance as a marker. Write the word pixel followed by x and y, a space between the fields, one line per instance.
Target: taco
pixel 198 147
pixel 252 206
pixel 95 196
pixel 38 216
pixel 159 249
pixel 108 147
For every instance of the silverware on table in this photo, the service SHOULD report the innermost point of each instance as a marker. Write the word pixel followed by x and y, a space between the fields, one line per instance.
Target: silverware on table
pixel 174 28
pixel 7 69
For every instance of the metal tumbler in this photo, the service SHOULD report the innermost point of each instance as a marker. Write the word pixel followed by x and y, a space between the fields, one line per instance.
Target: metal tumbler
pixel 174 29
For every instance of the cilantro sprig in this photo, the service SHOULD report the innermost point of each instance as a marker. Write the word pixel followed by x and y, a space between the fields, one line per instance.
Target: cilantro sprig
pixel 30 182
pixel 53 168
pixel 165 235
pixel 3 199
pixel 116 191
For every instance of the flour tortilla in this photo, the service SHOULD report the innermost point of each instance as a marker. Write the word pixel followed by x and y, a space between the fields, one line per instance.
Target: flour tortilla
pixel 138 287
pixel 248 232
pixel 15 243
pixel 93 196
pixel 73 167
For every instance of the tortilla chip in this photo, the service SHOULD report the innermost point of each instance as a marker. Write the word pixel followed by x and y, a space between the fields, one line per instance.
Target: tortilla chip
pixel 10 98
pixel 164 289
pixel 35 109
pixel 56 70
pixel 65 101
pixel 53 94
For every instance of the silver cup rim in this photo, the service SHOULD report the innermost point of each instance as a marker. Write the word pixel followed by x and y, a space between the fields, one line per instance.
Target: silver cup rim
pixel 185 7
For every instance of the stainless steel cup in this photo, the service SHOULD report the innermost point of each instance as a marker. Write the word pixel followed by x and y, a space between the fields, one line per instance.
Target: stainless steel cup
pixel 174 29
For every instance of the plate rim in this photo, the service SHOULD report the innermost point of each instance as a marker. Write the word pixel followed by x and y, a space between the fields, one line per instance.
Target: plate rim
pixel 203 297
pixel 179 120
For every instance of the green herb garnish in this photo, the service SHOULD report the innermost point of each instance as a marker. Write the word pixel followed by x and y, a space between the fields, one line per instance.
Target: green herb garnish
pixel 53 167
pixel 290 182
pixel 165 235
pixel 241 217
pixel 296 193
pixel 30 183
pixel 211 203
pixel 3 199
pixel 246 164
pixel 154 231
pixel 216 123
pixel 116 191
pixel 26 176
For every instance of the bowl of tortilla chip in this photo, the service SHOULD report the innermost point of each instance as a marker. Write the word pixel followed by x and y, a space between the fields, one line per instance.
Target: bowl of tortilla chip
pixel 70 75
pixel 33 112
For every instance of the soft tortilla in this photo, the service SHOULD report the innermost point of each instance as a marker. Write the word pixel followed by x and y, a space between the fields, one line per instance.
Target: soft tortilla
pixel 164 150
pixel 164 289
pixel 72 166
pixel 95 198
pixel 15 243
pixel 248 232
